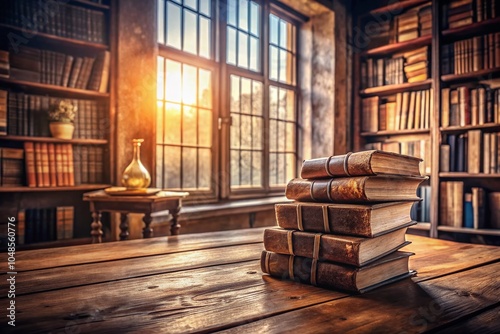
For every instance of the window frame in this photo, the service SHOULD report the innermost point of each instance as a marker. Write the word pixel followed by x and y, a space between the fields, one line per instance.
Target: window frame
pixel 221 74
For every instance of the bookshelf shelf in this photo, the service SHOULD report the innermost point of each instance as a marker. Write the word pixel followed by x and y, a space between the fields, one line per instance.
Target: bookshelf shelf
pixel 464 175
pixel 472 76
pixel 398 47
pixel 91 4
pixel 395 132
pixel 460 129
pixel 471 30
pixel 492 232
pixel 393 89
pixel 37 87
pixel 397 6
pixel 57 40
pixel 55 140
pixel 82 187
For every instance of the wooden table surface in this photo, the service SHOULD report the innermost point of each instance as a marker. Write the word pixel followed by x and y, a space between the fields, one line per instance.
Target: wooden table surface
pixel 212 282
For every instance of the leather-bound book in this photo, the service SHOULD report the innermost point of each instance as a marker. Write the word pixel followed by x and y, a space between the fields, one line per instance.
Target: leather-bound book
pixel 372 162
pixel 360 189
pixel 368 220
pixel 337 276
pixel 351 250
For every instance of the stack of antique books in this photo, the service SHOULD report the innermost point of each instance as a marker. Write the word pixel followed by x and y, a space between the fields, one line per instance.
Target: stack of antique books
pixel 347 223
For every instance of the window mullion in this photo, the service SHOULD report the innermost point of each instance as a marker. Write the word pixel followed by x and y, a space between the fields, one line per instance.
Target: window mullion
pixel 265 95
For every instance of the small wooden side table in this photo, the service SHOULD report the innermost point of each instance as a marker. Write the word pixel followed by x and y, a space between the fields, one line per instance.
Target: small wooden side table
pixel 163 200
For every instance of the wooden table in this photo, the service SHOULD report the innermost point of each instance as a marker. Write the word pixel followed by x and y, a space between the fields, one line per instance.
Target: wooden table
pixel 212 281
pixel 163 200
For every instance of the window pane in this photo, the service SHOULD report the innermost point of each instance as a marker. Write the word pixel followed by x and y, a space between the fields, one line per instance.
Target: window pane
pixel 246 168
pixel 204 131
pixel 273 63
pixel 273 29
pixel 243 15
pixel 257 135
pixel 161 21
pixel 257 169
pixel 254 18
pixel 273 135
pixel 235 131
pixel 172 164
pixel 204 169
pixel 188 168
pixel 290 106
pixel 173 78
pixel 189 127
pixel 257 98
pixel 242 50
pixel 281 177
pixel 192 3
pixel 159 121
pixel 172 124
pixel 283 34
pixel 235 93
pixel 235 168
pixel 205 7
pixel 246 96
pixel 231 46
pixel 205 37
pixel 290 137
pixel 273 102
pixel 160 78
pixel 283 66
pixel 231 12
pixel 189 84
pixel 173 25
pixel 246 132
pixel 205 89
pixel 190 31
pixel 254 54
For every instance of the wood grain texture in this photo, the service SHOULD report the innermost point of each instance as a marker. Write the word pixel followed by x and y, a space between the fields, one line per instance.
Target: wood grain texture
pixel 484 322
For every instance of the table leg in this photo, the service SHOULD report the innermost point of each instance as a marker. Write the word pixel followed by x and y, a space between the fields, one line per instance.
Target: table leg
pixel 124 226
pixel 96 227
pixel 147 232
pixel 175 226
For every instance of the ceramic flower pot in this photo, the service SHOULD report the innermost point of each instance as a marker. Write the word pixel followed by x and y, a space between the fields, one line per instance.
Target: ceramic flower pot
pixel 61 130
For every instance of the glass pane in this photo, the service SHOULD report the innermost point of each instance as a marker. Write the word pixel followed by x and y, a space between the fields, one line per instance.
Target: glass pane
pixel 283 34
pixel 273 102
pixel 160 78
pixel 192 3
pixel 257 169
pixel 205 7
pixel 204 168
pixel 172 123
pixel 190 32
pixel 235 131
pixel 273 29
pixel 281 136
pixel 257 98
pixel 246 167
pixel 254 54
pixel 282 104
pixel 172 175
pixel 273 131
pixel 273 63
pixel 161 21
pixel 205 88
pixel 159 121
pixel 173 25
pixel 246 96
pixel 290 105
pixel 257 132
pixel 242 49
pixel 290 166
pixel 283 66
pixel 188 167
pixel 272 168
pixel 189 133
pixel 254 18
pixel 290 137
pixel 205 127
pixel 281 177
pixel 189 84
pixel 235 93
pixel 231 46
pixel 178 1
pixel 173 77
pixel 246 132
pixel 235 168
pixel 243 15
pixel 159 166
pixel 231 12
pixel 205 37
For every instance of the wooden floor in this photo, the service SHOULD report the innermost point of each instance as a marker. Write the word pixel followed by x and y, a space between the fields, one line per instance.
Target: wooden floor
pixel 212 282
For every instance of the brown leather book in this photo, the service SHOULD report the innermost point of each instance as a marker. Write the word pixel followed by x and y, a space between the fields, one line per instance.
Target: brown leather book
pixel 29 152
pixel 368 220
pixel 337 276
pixel 351 250
pixel 372 162
pixel 52 164
pixel 359 189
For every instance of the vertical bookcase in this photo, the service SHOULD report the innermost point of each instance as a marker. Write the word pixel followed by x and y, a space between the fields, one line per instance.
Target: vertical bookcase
pixel 369 106
pixel 52 51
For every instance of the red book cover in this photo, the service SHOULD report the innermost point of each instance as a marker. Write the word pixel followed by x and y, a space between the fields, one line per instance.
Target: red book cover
pixel 29 159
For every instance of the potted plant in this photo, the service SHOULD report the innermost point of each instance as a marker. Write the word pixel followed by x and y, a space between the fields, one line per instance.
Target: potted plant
pixel 61 119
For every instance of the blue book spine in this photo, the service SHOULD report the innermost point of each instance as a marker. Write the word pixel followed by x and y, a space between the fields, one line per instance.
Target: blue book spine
pixel 468 213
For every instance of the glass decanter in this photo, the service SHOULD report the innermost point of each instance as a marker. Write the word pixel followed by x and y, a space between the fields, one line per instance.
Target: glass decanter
pixel 136 176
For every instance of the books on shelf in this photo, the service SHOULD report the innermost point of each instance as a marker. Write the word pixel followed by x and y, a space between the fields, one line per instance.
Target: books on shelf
pixel 421 211
pixel 451 203
pixel 3 112
pixel 45 224
pixel 461 13
pixel 404 111
pixel 59 69
pixel 66 20
pixel 4 64
pixel 11 167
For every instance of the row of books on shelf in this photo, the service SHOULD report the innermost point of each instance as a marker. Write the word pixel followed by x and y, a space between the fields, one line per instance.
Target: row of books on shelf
pixel 55 18
pixel 27 115
pixel 407 110
pixel 51 165
pixel 415 148
pixel 472 152
pixel 420 211
pixel 56 68
pixel 470 55
pixel 45 224
pixel 470 106
pixel 413 23
pixel 410 66
pixel 461 13
pixel 477 208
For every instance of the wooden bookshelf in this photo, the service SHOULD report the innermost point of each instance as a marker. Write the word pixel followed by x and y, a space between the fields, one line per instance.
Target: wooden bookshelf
pixel 30 101
pixel 393 89
pixel 437 81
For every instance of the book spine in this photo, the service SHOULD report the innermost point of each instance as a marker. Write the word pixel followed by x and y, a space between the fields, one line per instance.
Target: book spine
pixel 52 165
pixel 29 151
pixel 39 165
pixel 45 165
pixel 59 165
pixel 334 190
